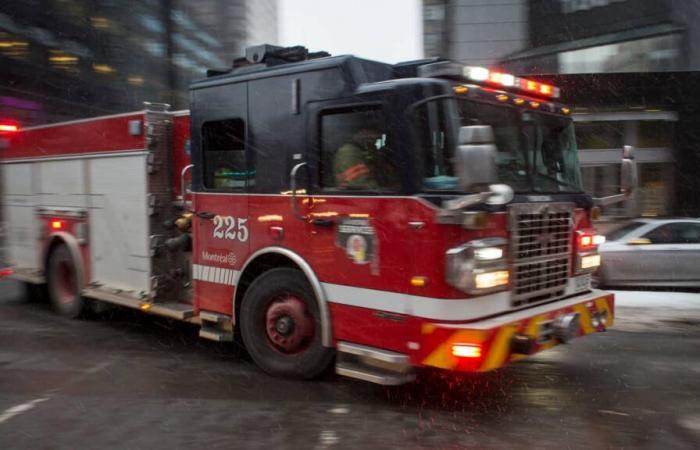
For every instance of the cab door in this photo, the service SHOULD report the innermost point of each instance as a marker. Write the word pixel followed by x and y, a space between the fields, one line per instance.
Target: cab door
pixel 357 215
pixel 221 230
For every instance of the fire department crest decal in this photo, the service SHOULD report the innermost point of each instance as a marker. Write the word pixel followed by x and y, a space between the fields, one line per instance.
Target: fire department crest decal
pixel 356 236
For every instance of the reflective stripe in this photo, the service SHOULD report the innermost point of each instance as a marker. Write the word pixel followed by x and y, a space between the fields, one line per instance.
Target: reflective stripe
pixel 414 305
pixel 212 274
pixel 455 309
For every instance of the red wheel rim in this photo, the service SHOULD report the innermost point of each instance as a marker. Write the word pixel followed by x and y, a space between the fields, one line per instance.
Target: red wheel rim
pixel 289 325
pixel 65 281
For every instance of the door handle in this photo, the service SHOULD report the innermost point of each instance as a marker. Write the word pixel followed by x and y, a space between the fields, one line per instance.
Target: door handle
pixel 323 222
pixel 205 215
pixel 293 185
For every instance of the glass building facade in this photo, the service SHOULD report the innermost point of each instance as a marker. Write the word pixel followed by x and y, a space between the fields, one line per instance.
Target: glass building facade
pixel 67 59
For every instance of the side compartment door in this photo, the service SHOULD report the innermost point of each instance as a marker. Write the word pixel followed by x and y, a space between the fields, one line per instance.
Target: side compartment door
pixel 221 230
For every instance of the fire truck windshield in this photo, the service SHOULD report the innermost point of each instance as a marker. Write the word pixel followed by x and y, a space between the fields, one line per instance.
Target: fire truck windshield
pixel 536 152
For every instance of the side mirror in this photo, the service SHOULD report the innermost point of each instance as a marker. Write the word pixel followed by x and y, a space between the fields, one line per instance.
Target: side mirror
pixel 639 241
pixel 476 157
pixel 628 171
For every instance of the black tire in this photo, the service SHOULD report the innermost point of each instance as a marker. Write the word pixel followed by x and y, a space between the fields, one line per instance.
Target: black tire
pixel 312 358
pixel 64 283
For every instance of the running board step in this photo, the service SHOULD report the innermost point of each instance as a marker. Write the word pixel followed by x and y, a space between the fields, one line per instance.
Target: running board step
pixel 179 311
pixel 216 327
pixel 373 364
pixel 373 375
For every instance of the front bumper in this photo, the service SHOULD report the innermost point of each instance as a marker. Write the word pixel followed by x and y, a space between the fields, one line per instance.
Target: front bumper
pixel 516 335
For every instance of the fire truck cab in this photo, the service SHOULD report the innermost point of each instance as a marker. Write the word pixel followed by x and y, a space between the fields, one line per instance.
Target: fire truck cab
pixel 385 217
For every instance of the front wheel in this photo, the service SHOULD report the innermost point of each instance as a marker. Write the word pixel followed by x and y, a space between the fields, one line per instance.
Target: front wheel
pixel 64 282
pixel 281 325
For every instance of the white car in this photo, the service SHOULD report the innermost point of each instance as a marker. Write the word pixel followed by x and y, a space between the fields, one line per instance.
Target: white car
pixel 652 252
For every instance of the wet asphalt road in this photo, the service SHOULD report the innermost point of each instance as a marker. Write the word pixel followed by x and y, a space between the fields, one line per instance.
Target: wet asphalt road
pixel 128 381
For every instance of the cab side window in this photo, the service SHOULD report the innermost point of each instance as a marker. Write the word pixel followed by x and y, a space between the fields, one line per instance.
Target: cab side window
pixel 223 148
pixel 355 152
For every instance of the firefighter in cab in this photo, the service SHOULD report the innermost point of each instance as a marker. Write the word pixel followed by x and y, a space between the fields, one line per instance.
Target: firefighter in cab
pixel 365 162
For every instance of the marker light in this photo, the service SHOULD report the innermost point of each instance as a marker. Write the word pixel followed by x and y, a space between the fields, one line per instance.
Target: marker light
pixel 6 272
pixel 57 224
pixel 489 280
pixel 419 281
pixel 466 350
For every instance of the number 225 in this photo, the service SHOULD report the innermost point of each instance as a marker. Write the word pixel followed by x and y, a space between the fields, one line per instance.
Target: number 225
pixel 230 228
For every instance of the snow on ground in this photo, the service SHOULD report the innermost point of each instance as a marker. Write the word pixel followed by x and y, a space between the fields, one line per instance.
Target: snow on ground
pixel 644 311
pixel 657 299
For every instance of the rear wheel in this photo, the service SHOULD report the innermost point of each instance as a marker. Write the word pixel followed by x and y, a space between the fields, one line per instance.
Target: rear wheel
pixel 64 282
pixel 281 325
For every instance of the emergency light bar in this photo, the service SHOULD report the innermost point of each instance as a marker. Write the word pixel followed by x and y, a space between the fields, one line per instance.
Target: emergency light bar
pixel 484 76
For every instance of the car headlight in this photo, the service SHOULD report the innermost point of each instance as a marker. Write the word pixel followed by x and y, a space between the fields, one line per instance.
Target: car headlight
pixel 478 266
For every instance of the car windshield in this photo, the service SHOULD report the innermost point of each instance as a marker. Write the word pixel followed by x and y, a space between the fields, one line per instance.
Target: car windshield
pixel 623 230
pixel 536 152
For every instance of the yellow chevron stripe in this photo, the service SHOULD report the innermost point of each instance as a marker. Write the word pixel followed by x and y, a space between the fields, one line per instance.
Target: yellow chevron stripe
pixel 500 348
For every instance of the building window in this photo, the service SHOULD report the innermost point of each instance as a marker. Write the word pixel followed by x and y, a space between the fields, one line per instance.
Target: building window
pixel 355 152
pixel 660 53
pixel 600 135
pixel 223 147
pixel 655 189
pixel 655 134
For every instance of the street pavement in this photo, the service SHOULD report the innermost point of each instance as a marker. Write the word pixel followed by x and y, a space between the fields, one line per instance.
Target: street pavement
pixel 124 380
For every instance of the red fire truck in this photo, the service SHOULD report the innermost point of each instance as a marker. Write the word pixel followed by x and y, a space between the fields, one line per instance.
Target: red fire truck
pixel 329 210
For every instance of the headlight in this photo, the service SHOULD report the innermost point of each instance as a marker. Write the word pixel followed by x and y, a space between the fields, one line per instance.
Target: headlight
pixel 478 266
pixel 588 262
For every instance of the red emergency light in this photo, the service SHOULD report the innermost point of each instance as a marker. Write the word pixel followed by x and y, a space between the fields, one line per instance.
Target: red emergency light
pixel 8 126
pixel 587 239
pixel 466 350
pixel 57 224
pixel 506 80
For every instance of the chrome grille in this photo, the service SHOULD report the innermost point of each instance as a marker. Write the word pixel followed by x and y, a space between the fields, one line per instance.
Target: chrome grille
pixel 541 251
